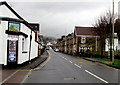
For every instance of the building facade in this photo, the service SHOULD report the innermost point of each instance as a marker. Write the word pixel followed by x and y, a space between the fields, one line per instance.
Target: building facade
pixel 18 42
pixel 85 40
pixel 82 41
pixel 119 9
pixel 116 43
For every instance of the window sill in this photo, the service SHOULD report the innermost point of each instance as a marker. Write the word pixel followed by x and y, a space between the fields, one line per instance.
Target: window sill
pixel 24 52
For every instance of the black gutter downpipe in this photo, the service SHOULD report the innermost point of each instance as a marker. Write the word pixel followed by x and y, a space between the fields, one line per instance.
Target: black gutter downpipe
pixel 30 46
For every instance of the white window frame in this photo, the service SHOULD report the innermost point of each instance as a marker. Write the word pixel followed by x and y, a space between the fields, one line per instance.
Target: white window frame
pixel 83 40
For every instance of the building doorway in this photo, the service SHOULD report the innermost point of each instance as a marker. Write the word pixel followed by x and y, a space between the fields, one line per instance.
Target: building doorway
pixel 12 52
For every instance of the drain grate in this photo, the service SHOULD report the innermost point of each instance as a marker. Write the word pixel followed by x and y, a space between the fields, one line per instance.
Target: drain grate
pixel 69 78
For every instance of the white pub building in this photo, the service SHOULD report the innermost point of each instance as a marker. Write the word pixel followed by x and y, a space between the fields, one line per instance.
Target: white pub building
pixel 18 38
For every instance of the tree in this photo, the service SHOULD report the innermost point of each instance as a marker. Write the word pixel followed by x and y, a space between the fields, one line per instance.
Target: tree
pixel 103 28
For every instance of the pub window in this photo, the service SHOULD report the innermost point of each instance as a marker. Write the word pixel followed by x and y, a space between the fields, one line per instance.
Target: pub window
pixel 23 44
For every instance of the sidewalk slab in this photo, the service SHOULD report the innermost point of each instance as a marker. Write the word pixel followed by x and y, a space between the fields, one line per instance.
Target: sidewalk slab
pixel 99 61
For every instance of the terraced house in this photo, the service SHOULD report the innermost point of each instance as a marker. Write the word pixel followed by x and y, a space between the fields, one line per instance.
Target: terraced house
pixel 82 41
pixel 85 40
pixel 70 43
pixel 60 44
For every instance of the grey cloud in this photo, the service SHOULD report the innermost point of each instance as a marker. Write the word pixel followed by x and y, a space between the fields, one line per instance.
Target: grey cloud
pixel 56 17
pixel 59 6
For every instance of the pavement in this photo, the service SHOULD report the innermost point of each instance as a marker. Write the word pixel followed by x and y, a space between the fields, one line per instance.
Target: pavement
pixel 95 60
pixel 21 72
pixel 102 62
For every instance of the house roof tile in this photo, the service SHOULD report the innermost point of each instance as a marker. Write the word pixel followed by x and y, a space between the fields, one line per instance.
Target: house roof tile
pixel 87 31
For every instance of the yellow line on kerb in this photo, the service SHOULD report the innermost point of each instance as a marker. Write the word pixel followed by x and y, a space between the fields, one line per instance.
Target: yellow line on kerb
pixel 44 63
pixel 39 67
pixel 24 70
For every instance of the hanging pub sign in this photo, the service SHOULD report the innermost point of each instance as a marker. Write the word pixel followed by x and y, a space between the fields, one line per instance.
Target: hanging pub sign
pixel 15 27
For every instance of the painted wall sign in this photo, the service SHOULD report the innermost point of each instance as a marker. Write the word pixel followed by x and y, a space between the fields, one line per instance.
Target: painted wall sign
pixel 12 51
pixel 15 27
pixel 12 56
pixel 12 37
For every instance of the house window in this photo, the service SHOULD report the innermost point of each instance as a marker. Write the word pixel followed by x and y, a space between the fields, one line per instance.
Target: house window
pixel 23 44
pixel 36 36
pixel 83 40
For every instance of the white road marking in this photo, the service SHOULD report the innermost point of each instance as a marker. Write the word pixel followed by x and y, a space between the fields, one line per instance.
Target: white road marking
pixel 65 58
pixel 70 61
pixel 25 78
pixel 8 77
pixel 96 76
pixel 77 65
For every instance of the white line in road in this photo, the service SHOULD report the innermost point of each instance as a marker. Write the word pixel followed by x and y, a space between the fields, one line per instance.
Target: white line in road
pixel 77 65
pixel 70 61
pixel 96 76
pixel 25 78
pixel 65 58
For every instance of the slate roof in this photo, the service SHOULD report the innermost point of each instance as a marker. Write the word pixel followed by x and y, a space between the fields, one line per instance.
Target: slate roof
pixel 84 31
pixel 21 20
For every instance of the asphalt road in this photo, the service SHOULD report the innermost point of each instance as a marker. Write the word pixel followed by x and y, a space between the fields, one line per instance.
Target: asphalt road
pixel 63 68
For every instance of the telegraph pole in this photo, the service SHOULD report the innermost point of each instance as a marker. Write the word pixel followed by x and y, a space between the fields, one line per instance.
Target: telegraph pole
pixel 113 33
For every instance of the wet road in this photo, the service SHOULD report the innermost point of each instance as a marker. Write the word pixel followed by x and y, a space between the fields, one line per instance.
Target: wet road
pixel 63 68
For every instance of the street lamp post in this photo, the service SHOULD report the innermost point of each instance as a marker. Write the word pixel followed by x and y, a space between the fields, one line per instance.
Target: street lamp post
pixel 113 34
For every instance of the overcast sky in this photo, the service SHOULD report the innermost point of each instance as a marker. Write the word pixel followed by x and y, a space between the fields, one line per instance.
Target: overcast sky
pixel 59 17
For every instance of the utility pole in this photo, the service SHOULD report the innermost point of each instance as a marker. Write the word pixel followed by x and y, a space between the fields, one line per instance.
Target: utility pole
pixel 96 43
pixel 65 42
pixel 113 34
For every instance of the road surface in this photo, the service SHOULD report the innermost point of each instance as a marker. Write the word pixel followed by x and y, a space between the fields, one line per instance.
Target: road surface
pixel 63 68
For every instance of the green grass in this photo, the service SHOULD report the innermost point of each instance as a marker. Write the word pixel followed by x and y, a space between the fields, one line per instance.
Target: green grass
pixel 103 59
pixel 116 63
pixel 14 30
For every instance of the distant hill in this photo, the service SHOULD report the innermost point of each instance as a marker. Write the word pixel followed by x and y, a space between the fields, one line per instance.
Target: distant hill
pixel 46 38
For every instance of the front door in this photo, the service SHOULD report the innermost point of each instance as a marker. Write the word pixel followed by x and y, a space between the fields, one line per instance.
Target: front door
pixel 12 52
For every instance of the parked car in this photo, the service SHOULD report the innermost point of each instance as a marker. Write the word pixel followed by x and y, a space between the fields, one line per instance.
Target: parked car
pixel 47 48
pixel 56 50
